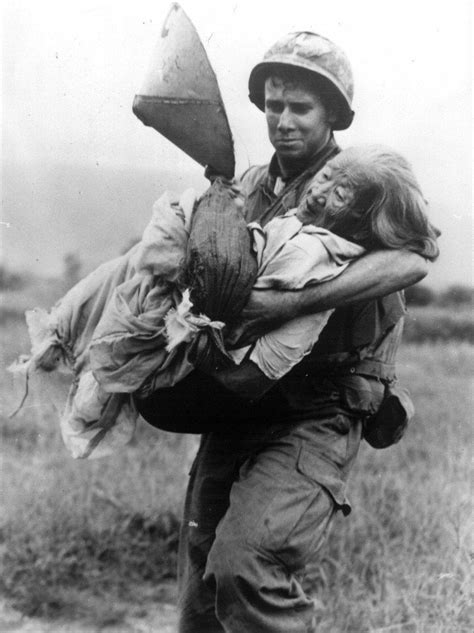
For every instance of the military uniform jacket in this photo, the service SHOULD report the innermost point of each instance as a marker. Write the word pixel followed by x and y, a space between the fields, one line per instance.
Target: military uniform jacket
pixel 356 351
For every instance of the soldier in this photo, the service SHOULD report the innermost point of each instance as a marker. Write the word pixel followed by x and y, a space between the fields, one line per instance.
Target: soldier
pixel 271 472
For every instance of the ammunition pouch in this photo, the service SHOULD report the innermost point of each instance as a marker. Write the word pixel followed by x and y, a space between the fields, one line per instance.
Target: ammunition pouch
pixel 388 425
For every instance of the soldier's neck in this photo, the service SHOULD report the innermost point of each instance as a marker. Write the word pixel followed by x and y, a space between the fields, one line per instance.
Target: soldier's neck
pixel 290 168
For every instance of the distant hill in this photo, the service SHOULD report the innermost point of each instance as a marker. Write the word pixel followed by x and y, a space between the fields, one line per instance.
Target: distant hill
pixel 95 211
pixel 53 209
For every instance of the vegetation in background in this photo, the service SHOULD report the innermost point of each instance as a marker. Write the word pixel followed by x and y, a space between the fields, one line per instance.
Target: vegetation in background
pixel 439 316
pixel 432 316
pixel 430 324
pixel 401 561
pixel 93 539
pixel 75 529
pixel 456 295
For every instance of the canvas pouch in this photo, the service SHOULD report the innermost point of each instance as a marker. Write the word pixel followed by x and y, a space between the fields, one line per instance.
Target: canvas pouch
pixel 388 425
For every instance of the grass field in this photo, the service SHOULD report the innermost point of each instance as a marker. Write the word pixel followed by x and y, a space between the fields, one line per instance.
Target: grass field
pixel 97 539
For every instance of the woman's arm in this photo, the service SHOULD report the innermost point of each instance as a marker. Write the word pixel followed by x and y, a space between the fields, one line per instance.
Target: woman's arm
pixel 375 275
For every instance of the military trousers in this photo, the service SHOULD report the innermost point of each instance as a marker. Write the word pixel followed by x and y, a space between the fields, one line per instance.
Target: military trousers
pixel 258 507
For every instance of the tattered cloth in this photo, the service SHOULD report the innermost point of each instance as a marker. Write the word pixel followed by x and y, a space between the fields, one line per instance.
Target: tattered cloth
pixel 131 327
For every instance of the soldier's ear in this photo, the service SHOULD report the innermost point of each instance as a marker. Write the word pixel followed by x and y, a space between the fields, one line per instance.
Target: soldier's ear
pixel 332 116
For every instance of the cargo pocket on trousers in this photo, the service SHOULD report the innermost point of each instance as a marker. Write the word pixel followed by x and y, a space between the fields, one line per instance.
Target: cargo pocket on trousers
pixel 326 474
pixel 296 537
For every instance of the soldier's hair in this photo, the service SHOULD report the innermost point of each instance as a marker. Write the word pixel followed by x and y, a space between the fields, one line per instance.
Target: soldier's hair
pixel 389 210
pixel 293 77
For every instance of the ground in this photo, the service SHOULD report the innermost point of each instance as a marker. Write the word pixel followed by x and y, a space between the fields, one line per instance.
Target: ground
pixel 91 546
pixel 149 617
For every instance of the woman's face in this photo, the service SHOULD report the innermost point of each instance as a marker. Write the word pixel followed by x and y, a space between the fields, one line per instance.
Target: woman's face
pixel 329 197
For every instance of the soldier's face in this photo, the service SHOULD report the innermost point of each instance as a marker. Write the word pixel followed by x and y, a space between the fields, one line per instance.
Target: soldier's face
pixel 298 124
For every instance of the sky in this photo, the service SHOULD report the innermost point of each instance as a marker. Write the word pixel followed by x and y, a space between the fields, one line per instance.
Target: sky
pixel 70 71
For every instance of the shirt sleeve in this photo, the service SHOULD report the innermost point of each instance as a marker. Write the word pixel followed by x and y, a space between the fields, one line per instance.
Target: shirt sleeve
pixel 162 248
pixel 280 350
pixel 292 256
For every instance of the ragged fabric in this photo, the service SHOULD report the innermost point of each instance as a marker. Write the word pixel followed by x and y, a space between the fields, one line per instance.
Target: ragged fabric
pixel 131 327
pixel 61 363
pixel 108 334
pixel 176 300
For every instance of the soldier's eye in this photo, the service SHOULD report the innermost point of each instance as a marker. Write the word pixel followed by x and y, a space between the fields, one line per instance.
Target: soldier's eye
pixel 274 106
pixel 300 108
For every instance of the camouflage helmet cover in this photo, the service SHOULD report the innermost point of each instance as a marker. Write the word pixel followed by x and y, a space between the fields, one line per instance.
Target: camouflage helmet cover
pixel 316 54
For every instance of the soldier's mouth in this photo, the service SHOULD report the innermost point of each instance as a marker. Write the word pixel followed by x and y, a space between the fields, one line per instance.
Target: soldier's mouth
pixel 287 141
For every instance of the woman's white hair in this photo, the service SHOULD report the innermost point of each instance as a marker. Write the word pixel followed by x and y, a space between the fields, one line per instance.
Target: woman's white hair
pixel 390 210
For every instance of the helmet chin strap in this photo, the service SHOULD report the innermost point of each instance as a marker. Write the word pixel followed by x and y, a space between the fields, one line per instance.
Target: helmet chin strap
pixel 290 167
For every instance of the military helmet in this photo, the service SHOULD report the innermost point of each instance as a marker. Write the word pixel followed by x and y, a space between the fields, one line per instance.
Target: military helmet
pixel 317 55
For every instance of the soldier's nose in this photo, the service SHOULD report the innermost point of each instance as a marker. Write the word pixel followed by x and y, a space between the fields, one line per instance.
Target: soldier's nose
pixel 285 121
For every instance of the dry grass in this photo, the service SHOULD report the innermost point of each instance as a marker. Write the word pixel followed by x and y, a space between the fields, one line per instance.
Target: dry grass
pixel 398 564
pixel 438 324
pixel 69 527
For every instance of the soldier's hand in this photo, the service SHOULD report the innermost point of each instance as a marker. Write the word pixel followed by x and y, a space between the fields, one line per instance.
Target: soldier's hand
pixel 265 311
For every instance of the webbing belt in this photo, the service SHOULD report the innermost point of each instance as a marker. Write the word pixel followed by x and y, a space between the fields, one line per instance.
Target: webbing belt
pixel 365 367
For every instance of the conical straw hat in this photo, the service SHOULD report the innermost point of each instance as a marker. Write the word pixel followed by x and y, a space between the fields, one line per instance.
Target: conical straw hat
pixel 180 97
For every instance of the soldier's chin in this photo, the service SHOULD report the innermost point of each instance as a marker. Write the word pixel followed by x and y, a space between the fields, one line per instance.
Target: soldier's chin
pixel 290 151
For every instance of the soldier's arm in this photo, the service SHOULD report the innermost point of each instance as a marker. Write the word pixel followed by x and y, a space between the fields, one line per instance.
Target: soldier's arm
pixel 375 275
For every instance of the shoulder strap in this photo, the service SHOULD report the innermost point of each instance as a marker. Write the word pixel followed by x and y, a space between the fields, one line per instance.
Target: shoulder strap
pixel 289 198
